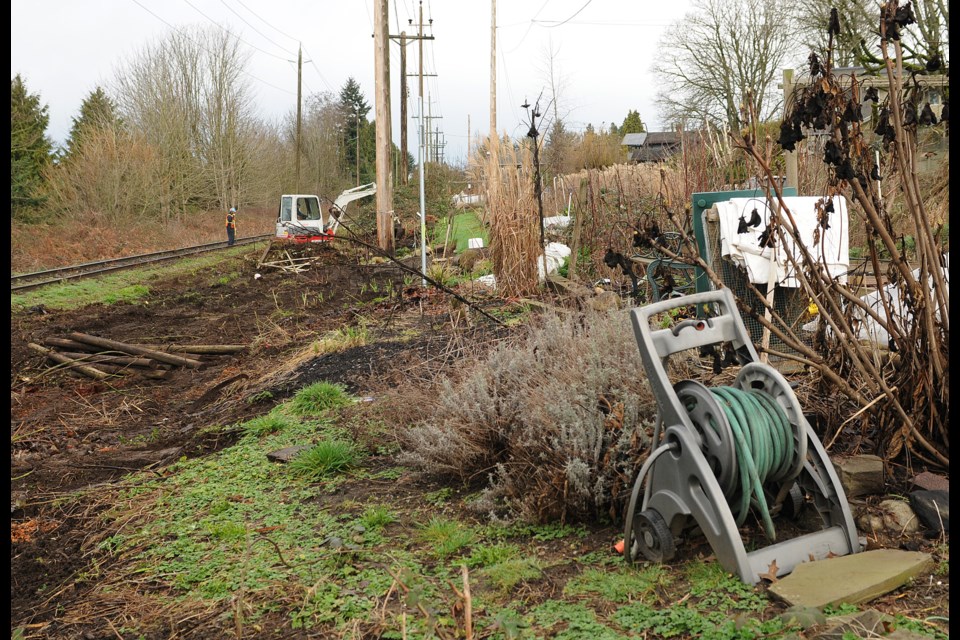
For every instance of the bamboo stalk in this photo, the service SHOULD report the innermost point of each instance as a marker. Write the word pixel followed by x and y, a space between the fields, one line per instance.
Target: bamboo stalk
pixel 74 365
pixel 135 350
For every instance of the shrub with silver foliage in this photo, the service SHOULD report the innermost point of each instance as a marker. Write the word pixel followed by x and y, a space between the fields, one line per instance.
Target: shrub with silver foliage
pixel 555 423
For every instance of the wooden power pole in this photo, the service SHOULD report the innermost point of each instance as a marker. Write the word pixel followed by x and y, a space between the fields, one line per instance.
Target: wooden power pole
pixel 404 168
pixel 299 119
pixel 384 139
pixel 493 68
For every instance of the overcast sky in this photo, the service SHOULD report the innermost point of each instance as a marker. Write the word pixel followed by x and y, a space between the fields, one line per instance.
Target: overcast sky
pixel 602 54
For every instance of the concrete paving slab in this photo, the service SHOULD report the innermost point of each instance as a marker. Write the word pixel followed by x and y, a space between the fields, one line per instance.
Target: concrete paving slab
pixel 853 579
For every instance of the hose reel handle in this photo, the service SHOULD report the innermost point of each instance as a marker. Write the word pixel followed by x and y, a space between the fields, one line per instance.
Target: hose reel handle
pixel 698 324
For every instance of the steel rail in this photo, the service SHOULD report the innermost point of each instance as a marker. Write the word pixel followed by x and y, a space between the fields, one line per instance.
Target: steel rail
pixel 20 282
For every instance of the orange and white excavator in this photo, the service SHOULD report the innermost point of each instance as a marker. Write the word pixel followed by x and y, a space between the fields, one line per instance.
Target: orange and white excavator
pixel 301 218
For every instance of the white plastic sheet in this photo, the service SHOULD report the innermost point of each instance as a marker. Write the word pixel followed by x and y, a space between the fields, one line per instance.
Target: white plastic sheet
pixel 831 252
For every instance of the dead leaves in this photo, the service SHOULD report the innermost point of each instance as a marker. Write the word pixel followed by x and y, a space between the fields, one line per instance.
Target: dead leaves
pixel 771 574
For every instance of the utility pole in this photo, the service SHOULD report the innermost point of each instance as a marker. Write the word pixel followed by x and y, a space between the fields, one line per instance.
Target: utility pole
pixel 357 113
pixel 299 119
pixel 468 140
pixel 384 138
pixel 423 212
pixel 404 169
pixel 493 69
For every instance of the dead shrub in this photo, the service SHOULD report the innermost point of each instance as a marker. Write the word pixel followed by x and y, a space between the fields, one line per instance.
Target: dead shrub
pixel 555 423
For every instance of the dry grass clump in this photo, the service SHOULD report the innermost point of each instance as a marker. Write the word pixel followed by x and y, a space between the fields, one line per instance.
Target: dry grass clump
pixel 555 422
pixel 514 222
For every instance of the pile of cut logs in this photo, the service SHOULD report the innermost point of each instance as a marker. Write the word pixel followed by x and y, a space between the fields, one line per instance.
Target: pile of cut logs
pixel 100 358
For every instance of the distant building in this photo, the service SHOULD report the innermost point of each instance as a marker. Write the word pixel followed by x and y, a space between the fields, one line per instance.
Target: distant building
pixel 651 147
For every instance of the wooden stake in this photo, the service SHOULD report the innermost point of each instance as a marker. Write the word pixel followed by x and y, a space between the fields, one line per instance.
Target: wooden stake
pixel 135 350
pixel 467 603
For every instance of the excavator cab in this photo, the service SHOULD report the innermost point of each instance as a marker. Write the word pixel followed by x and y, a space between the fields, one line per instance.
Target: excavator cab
pixel 303 218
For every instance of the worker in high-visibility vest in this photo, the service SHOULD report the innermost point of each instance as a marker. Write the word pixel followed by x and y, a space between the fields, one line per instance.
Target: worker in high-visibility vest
pixel 231 226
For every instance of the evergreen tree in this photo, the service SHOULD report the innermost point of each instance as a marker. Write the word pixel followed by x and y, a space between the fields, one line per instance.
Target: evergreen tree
pixel 97 111
pixel 30 149
pixel 632 124
pixel 353 111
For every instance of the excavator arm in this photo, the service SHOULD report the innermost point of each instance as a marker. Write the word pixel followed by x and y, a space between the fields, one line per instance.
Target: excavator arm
pixel 339 205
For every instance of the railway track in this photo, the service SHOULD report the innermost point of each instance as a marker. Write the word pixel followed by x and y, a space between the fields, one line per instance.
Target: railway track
pixel 25 281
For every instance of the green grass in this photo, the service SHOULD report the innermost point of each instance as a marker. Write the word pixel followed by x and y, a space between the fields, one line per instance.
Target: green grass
pixel 318 398
pixel 629 583
pixel 466 225
pixel 130 285
pixel 325 459
pixel 445 537
pixel 273 422
pixel 509 573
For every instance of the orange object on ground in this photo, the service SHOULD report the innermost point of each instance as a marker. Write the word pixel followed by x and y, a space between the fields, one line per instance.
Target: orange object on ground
pixel 618 547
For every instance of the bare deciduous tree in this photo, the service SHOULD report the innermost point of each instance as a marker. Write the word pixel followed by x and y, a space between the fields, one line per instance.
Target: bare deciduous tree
pixel 722 55
pixel 188 97
pixel 858 44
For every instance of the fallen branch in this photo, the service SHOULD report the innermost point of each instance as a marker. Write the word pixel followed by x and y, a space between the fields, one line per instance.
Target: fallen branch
pixel 128 361
pixel 72 364
pixel 198 349
pixel 135 350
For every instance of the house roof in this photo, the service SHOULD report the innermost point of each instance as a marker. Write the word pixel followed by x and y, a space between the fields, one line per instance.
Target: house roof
pixel 633 139
pixel 665 137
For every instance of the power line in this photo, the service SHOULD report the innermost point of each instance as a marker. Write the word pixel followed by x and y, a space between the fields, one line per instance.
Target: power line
pixel 317 69
pixel 279 46
pixel 232 34
pixel 571 17
pixel 530 26
pixel 605 24
pixel 267 23
pixel 184 33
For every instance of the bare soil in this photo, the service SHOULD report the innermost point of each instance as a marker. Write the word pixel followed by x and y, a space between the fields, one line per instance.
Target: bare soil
pixel 70 433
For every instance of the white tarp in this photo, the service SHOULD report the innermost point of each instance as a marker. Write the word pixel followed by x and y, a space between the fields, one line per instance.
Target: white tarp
pixel 462 199
pixel 556 253
pixel 744 248
pixel 867 327
pixel 560 222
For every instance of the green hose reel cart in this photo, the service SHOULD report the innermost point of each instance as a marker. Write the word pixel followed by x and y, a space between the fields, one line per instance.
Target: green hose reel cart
pixel 721 453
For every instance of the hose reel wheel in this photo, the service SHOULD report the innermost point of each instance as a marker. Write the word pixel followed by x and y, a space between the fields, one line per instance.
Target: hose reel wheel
pixel 714 431
pixel 651 538
pixel 757 376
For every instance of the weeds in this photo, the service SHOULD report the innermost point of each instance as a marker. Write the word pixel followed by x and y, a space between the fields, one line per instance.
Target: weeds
pixel 507 574
pixel 445 537
pixel 264 425
pixel 342 339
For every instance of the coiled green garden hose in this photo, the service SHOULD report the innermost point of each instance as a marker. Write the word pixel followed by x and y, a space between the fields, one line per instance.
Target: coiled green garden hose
pixel 764 447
